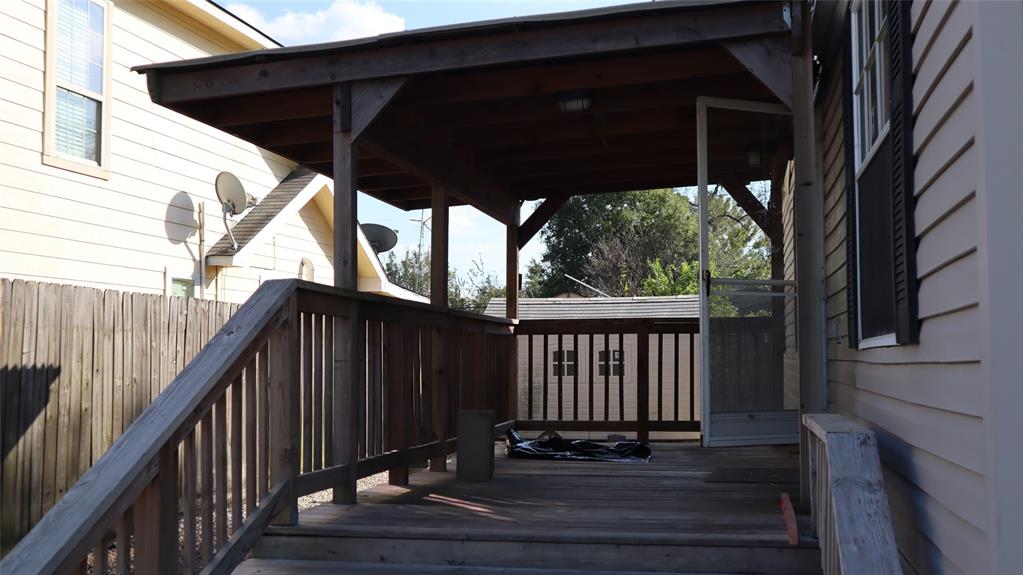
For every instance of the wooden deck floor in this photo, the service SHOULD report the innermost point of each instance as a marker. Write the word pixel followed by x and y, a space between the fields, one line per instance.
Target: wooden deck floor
pixel 689 510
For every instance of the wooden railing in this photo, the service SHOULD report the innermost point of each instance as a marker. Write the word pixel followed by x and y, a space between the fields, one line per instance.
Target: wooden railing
pixel 268 411
pixel 634 375
pixel 848 501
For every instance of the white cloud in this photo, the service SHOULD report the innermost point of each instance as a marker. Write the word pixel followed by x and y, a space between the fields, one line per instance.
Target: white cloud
pixel 341 20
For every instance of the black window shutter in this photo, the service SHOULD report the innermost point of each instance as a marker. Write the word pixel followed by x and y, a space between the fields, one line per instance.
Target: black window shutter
pixel 900 46
pixel 851 284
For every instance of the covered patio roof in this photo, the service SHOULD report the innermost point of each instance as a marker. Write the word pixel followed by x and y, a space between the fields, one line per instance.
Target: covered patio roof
pixel 475 107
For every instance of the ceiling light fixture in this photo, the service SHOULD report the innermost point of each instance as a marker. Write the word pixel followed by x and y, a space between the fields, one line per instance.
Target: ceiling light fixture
pixel 574 102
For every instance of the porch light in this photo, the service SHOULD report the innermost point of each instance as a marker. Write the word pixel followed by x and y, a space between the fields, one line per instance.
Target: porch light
pixel 752 157
pixel 574 102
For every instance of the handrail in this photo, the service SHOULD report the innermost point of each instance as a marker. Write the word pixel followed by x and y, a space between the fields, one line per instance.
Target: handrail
pixel 258 395
pixel 849 505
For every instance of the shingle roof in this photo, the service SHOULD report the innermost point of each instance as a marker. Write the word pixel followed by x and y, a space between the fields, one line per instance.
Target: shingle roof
pixel 265 211
pixel 682 306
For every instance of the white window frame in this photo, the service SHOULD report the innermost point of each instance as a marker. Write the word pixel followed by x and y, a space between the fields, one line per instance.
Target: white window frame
pixel 872 72
pixel 51 156
pixel 617 364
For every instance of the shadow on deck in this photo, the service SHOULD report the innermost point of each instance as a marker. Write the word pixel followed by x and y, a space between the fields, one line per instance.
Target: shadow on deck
pixel 689 510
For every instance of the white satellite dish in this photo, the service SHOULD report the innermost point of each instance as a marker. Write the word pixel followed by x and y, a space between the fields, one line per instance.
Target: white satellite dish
pixel 381 238
pixel 233 200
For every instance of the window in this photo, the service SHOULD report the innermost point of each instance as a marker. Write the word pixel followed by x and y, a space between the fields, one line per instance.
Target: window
pixel 564 362
pixel 881 252
pixel 77 67
pixel 182 287
pixel 616 362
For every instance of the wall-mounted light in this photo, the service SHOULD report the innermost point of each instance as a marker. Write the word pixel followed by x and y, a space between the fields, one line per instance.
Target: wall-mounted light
pixel 574 102
pixel 753 157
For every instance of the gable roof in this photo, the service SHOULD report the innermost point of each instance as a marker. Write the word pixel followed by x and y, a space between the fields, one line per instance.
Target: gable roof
pixel 294 192
pixel 275 205
pixel 681 306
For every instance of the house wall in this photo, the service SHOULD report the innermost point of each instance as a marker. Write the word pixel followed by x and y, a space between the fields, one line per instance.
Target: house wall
pixel 307 235
pixel 925 401
pixel 137 229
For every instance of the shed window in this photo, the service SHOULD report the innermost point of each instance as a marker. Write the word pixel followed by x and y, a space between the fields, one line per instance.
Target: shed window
pixel 617 362
pixel 564 362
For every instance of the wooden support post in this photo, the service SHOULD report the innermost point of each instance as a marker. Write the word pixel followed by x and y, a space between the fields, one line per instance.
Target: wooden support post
pixel 511 310
pixel 156 518
pixel 643 382
pixel 285 414
pixel 440 392
pixel 347 415
pixel 809 223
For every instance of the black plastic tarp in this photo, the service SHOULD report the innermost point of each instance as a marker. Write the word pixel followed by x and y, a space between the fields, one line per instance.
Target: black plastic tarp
pixel 550 445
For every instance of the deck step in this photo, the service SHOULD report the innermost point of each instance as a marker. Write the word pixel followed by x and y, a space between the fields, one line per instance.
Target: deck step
pixel 299 567
pixel 585 551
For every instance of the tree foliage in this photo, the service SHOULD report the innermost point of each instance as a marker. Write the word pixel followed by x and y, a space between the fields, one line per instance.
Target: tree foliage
pixel 644 243
pixel 471 292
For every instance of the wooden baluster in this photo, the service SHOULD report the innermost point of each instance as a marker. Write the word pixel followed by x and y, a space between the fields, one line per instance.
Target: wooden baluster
pixel 251 495
pixel 236 454
pixel 607 377
pixel 284 413
pixel 561 375
pixel 643 382
pixel 206 487
pixel 328 390
pixel 590 365
pixel 692 378
pixel 575 377
pixel 546 362
pixel 306 387
pixel 188 465
pixel 660 376
pixel 99 558
pixel 441 388
pixel 373 441
pixel 425 393
pixel 220 447
pixel 123 542
pixel 263 422
pixel 317 345
pixel 676 378
pixel 395 422
pixel 156 518
pixel 621 377
pixel 529 376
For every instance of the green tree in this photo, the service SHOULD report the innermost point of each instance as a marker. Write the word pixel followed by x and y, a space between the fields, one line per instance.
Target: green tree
pixel 472 292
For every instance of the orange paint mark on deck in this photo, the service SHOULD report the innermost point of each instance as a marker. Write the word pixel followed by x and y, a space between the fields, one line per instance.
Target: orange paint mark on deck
pixel 791 527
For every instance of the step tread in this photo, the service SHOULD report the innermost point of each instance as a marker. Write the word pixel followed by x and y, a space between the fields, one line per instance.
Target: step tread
pixel 296 567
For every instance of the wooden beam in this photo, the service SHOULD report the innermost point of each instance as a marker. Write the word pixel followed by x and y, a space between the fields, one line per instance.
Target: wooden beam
pixel 259 108
pixel 768 59
pixel 511 308
pixel 439 246
pixel 347 366
pixel 369 98
pixel 438 166
pixel 513 43
pixel 809 233
pixel 540 216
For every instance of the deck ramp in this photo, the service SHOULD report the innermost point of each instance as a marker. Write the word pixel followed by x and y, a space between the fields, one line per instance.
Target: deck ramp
pixel 690 510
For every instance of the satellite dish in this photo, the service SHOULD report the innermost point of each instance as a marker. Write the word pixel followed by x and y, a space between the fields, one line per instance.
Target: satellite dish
pixel 382 238
pixel 233 200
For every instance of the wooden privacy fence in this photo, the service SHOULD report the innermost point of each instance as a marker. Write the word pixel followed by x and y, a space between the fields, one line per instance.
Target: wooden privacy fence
pixel 847 496
pixel 79 365
pixel 608 375
pixel 305 388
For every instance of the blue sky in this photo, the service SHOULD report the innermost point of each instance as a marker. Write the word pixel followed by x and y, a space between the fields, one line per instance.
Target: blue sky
pixel 473 236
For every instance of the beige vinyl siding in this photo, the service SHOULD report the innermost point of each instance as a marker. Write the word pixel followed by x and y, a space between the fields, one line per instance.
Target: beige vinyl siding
pixel 925 400
pixel 126 232
pixel 306 235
